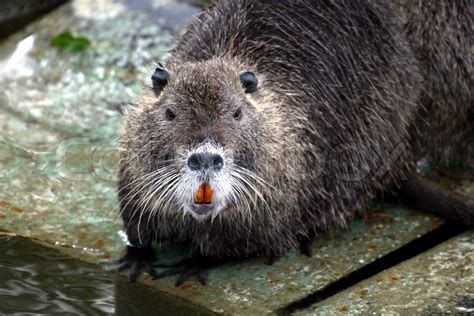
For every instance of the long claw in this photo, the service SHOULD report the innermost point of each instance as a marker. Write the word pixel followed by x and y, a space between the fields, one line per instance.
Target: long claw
pixel 186 274
pixel 149 269
pixel 134 272
pixel 202 277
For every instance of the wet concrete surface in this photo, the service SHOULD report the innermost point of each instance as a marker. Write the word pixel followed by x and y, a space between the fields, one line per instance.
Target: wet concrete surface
pixel 59 123
pixel 438 282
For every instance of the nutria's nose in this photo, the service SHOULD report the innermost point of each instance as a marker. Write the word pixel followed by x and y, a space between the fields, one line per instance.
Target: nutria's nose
pixel 205 160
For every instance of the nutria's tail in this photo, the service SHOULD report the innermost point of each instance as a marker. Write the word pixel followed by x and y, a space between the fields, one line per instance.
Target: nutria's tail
pixel 422 194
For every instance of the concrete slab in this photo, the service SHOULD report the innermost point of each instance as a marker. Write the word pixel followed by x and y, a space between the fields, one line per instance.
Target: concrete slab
pixel 440 281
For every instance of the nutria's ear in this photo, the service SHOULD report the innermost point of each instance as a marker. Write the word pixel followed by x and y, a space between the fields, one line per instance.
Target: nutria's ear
pixel 159 79
pixel 249 81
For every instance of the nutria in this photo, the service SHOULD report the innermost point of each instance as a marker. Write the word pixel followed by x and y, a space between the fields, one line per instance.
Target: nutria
pixel 273 121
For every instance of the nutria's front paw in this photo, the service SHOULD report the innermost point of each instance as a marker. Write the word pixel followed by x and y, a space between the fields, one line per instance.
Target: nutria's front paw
pixel 138 260
pixel 197 266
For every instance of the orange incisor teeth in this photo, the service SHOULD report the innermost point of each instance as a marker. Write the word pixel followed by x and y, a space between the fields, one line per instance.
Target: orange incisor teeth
pixel 204 194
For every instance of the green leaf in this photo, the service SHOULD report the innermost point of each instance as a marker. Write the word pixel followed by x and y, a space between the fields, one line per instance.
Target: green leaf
pixel 67 41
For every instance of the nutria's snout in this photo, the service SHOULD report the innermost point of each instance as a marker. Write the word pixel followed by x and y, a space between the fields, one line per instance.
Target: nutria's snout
pixel 207 172
pixel 205 161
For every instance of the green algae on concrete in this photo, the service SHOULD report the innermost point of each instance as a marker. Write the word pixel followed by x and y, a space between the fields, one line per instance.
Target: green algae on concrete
pixel 50 190
pixel 440 281
pixel 80 93
pixel 60 119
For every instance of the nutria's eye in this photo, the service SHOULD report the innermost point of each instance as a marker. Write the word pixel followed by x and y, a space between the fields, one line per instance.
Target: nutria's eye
pixel 170 115
pixel 159 79
pixel 249 81
pixel 238 114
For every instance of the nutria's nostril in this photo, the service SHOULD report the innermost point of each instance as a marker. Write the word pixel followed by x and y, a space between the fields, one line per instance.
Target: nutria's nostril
pixel 205 160
pixel 217 162
pixel 194 162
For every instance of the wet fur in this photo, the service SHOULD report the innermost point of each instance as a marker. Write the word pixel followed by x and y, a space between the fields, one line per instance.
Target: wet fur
pixel 340 93
pixel 441 36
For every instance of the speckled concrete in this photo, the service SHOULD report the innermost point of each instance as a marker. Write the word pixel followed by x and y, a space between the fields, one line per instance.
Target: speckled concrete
pixel 440 281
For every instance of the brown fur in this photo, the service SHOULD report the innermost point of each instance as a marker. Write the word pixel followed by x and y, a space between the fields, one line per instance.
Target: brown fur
pixel 441 35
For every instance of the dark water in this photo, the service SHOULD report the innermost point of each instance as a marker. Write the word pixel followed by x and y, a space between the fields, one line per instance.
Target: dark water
pixel 39 280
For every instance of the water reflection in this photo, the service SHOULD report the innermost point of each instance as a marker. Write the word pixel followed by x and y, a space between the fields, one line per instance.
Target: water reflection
pixel 40 280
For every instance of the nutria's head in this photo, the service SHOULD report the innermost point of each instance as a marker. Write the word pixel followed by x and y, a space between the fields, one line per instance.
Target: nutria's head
pixel 197 142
